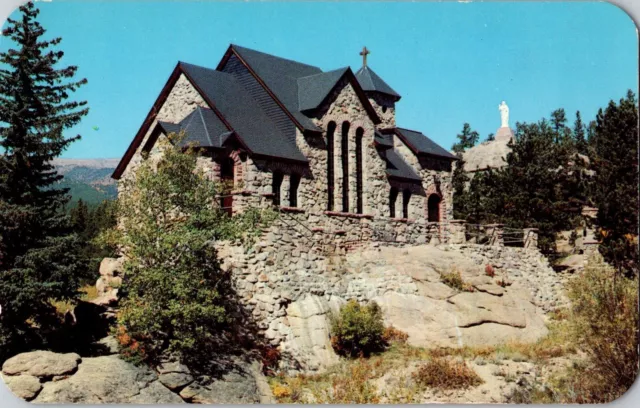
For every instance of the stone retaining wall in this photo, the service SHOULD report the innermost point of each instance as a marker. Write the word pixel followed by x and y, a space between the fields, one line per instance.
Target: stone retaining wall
pixel 290 263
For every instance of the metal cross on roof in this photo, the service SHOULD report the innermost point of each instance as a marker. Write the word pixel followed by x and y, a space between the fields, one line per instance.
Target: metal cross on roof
pixel 364 54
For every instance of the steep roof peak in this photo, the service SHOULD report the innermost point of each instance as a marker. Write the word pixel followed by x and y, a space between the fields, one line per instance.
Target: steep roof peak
pixel 371 82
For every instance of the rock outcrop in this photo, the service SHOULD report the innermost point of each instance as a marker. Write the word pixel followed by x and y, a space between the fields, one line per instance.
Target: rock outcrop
pixel 408 284
pixel 47 377
pixel 111 274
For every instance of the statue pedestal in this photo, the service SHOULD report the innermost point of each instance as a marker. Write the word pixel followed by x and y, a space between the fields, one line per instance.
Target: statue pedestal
pixel 504 133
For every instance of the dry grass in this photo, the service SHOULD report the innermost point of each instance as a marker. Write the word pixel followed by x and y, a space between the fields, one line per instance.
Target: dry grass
pixel 90 292
pixel 557 343
pixel 348 382
pixel 454 280
pixel 446 374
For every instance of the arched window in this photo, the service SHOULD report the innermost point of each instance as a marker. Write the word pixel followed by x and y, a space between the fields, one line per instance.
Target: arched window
pixel 293 190
pixel 344 150
pixel 406 197
pixel 359 203
pixel 227 168
pixel 276 185
pixel 393 196
pixel 331 129
pixel 433 207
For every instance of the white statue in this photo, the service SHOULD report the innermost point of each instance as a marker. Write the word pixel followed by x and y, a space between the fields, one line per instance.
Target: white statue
pixel 504 114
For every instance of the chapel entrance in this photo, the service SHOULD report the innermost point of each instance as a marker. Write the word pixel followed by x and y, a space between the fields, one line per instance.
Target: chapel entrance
pixel 433 206
pixel 227 177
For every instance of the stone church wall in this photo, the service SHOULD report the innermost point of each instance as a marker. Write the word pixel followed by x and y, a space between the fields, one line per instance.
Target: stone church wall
pixel 345 106
pixel 181 101
pixel 429 174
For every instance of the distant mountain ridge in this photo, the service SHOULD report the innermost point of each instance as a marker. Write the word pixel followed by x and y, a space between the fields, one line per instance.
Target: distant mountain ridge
pixel 88 179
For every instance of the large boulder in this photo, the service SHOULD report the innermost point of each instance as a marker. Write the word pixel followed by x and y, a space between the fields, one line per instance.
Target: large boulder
pixel 23 386
pixel 309 324
pixel 428 322
pixel 111 273
pixel 110 380
pixel 238 383
pixel 43 364
pixel 111 267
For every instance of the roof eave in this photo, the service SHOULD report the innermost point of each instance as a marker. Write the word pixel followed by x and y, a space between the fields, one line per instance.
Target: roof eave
pixel 144 128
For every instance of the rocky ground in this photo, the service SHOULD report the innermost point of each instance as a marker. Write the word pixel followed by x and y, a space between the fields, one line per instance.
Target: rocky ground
pixel 47 377
pixel 411 287
pixel 451 296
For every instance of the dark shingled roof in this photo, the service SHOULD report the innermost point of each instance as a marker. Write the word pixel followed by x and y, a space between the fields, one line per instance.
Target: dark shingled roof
pixel 397 167
pixel 312 90
pixel 420 143
pixel 281 76
pixel 252 126
pixel 385 140
pixel 371 82
pixel 202 127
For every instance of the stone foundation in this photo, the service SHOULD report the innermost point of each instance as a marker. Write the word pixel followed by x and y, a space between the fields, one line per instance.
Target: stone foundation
pixel 295 276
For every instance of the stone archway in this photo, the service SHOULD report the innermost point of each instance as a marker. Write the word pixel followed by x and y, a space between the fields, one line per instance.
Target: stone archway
pixel 433 208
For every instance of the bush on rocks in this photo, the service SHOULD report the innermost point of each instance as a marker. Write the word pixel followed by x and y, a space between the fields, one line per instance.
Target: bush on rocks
pixel 358 330
pixel 393 335
pixel 175 297
pixel 605 320
pixel 444 373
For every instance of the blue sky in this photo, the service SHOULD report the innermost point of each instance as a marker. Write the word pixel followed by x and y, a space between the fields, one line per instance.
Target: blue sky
pixel 451 62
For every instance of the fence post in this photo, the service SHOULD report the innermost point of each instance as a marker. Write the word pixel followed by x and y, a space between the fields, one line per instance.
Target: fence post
pixel 530 238
pixel 457 231
pixel 495 233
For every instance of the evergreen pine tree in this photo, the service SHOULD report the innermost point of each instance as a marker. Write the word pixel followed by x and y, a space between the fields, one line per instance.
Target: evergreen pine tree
pixel 579 134
pixel 467 139
pixel 39 253
pixel 615 149
pixel 80 218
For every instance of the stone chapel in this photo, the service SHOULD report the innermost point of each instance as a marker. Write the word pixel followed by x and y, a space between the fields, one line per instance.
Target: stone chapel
pixel 321 146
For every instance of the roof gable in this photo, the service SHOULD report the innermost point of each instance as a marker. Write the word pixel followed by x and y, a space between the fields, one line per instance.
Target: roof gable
pixel 279 78
pixel 371 82
pixel 316 90
pixel 251 124
pixel 313 89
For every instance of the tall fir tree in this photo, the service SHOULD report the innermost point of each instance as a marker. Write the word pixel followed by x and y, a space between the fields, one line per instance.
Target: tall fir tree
pixel 39 253
pixel 580 134
pixel 615 150
pixel 466 140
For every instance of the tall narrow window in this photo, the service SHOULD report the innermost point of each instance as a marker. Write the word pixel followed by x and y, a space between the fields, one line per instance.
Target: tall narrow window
pixel 276 184
pixel 331 129
pixel 227 176
pixel 406 196
pixel 359 204
pixel 393 196
pixel 345 166
pixel 293 190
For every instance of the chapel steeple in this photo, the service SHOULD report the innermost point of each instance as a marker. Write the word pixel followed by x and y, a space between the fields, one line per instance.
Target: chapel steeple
pixel 379 93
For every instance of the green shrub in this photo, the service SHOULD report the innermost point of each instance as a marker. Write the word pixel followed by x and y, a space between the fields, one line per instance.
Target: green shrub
pixel 176 299
pixel 605 320
pixel 358 330
pixel 454 280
